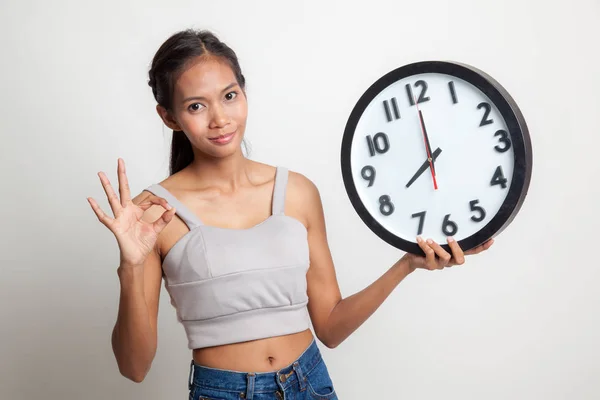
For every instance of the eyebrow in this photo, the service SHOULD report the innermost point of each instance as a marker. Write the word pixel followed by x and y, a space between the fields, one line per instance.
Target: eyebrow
pixel 204 98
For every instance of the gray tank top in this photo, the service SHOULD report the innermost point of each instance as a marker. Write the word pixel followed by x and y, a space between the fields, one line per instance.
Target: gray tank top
pixel 235 285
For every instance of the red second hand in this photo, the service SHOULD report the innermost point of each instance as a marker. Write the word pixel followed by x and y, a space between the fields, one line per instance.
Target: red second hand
pixel 435 186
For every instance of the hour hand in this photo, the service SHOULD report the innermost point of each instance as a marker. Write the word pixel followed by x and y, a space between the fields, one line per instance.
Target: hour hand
pixel 424 166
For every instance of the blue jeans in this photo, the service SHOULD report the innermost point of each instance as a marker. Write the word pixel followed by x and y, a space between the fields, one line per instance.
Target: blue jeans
pixel 305 378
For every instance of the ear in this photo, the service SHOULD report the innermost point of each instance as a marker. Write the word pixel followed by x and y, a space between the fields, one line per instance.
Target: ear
pixel 167 118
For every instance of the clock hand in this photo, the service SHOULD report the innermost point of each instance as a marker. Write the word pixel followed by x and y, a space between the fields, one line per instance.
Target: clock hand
pixel 424 166
pixel 427 145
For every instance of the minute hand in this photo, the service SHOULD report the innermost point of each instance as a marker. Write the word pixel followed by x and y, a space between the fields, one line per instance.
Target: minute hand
pixel 427 141
pixel 424 166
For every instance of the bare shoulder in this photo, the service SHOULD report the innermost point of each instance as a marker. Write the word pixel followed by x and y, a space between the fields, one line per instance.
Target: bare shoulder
pixel 303 197
pixel 302 187
pixel 300 190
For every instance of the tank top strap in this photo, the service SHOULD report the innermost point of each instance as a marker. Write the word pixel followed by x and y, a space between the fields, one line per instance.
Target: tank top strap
pixel 190 219
pixel 279 189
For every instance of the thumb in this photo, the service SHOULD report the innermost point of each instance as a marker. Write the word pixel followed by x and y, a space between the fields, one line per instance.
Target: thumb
pixel 163 220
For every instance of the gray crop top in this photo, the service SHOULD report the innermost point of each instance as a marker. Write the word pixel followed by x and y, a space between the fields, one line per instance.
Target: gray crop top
pixel 235 285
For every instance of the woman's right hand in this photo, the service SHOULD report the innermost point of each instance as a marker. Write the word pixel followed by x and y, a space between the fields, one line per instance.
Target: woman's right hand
pixel 136 238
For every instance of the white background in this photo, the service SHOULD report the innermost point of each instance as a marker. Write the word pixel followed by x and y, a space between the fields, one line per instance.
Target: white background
pixel 518 322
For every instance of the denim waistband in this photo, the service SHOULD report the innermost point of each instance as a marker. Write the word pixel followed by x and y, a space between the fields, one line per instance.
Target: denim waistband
pixel 250 382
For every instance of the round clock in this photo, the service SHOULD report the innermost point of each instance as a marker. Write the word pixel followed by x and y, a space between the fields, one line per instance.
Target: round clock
pixel 436 149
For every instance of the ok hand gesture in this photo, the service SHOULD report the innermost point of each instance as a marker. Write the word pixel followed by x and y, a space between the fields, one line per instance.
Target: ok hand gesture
pixel 136 238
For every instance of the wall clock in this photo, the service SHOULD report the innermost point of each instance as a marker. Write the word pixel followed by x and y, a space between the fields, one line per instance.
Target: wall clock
pixel 436 149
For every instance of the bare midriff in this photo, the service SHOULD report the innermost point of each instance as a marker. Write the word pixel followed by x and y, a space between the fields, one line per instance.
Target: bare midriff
pixel 263 355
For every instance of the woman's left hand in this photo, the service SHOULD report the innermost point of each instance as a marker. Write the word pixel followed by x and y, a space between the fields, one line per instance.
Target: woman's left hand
pixel 438 258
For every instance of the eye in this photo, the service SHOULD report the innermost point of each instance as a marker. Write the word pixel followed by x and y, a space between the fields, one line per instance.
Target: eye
pixel 193 108
pixel 228 95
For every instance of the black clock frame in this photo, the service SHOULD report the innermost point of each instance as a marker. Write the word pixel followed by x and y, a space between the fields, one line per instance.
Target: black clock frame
pixel 519 136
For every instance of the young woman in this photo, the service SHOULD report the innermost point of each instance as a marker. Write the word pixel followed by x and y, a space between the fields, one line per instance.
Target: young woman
pixel 241 245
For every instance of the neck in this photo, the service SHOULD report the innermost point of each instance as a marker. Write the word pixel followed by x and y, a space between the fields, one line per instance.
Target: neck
pixel 227 173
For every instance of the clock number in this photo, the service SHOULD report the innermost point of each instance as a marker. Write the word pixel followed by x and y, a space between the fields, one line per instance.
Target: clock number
pixel 378 144
pixel 385 205
pixel 476 208
pixel 486 114
pixel 422 98
pixel 449 227
pixel 498 178
pixel 452 92
pixel 388 113
pixel 421 216
pixel 368 173
pixel 504 140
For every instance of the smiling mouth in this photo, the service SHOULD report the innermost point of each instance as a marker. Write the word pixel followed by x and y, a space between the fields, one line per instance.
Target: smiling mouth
pixel 221 137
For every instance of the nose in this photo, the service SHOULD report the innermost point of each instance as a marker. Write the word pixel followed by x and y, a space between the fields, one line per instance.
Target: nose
pixel 219 117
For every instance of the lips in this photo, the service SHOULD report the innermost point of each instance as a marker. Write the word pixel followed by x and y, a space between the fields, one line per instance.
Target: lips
pixel 223 139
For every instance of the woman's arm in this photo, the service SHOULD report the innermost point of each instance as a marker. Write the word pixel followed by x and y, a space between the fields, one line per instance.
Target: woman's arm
pixel 134 337
pixel 334 318
pixel 136 225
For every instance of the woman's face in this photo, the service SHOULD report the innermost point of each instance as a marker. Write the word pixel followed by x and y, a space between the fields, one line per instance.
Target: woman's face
pixel 209 107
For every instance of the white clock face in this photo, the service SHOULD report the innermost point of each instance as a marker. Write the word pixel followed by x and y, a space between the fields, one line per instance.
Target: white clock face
pixel 469 143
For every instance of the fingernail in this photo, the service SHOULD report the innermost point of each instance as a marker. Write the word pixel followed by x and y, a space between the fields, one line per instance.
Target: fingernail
pixel 419 239
pixel 169 206
pixel 450 239
pixel 429 241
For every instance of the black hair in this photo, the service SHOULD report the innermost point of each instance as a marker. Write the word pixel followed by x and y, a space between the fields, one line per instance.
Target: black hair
pixel 169 62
